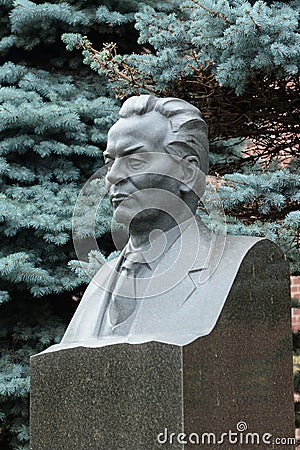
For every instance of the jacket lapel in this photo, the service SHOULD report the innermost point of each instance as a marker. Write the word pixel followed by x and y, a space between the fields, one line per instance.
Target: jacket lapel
pixel 174 280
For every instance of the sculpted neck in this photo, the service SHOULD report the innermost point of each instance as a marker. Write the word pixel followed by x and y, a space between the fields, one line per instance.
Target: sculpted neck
pixel 141 228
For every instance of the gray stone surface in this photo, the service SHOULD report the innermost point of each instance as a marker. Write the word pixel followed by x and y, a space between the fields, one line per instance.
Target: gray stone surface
pixel 110 398
pixel 119 397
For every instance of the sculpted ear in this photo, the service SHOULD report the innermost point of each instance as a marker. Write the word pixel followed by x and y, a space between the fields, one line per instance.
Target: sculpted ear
pixel 193 179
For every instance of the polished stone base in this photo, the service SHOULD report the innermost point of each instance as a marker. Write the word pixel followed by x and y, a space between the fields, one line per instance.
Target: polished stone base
pixel 135 396
pixel 236 380
pixel 115 397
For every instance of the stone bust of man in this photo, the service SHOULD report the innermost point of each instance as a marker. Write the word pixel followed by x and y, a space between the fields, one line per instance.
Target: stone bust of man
pixel 173 276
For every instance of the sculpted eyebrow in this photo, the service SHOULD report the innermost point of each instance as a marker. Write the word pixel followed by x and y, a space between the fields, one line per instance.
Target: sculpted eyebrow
pixel 109 153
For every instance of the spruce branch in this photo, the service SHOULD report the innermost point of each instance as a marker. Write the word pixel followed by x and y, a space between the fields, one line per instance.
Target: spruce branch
pixel 210 11
pixel 257 27
pixel 116 67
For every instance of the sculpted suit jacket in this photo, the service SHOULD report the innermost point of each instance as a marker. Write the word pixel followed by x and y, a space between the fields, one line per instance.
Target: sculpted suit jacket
pixel 189 289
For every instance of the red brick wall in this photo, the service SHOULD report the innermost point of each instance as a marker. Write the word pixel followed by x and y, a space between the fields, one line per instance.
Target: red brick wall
pixel 295 287
pixel 295 292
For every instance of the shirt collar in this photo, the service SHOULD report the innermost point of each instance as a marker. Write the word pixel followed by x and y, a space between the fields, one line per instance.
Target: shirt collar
pixel 150 255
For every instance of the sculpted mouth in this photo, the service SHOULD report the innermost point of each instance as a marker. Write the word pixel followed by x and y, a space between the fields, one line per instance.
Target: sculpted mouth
pixel 117 198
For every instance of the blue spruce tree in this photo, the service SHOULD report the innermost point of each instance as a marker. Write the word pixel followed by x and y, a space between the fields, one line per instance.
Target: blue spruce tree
pixel 54 117
pixel 239 63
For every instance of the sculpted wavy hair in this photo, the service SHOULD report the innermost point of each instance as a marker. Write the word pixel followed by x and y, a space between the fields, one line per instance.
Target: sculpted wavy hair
pixel 188 131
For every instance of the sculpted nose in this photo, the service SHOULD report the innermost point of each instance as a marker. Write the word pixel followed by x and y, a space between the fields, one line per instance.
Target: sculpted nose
pixel 115 173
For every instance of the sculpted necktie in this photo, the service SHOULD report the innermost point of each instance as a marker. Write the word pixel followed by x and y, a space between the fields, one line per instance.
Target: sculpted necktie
pixel 123 302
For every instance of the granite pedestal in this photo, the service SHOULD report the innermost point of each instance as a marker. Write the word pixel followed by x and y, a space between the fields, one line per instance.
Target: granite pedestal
pixel 237 380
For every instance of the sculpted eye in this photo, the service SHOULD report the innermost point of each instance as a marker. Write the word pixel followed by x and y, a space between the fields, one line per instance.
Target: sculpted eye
pixel 136 163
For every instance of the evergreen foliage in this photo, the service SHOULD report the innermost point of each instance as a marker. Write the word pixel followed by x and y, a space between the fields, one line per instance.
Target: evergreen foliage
pixel 50 143
pixel 53 128
pixel 237 61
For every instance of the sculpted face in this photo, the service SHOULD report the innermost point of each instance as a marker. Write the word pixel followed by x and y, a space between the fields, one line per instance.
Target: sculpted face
pixel 138 163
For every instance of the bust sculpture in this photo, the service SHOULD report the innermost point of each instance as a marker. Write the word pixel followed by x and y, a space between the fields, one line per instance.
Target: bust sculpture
pixel 173 276
pixel 209 313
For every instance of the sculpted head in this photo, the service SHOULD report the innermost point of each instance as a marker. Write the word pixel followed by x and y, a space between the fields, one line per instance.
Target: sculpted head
pixel 156 143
